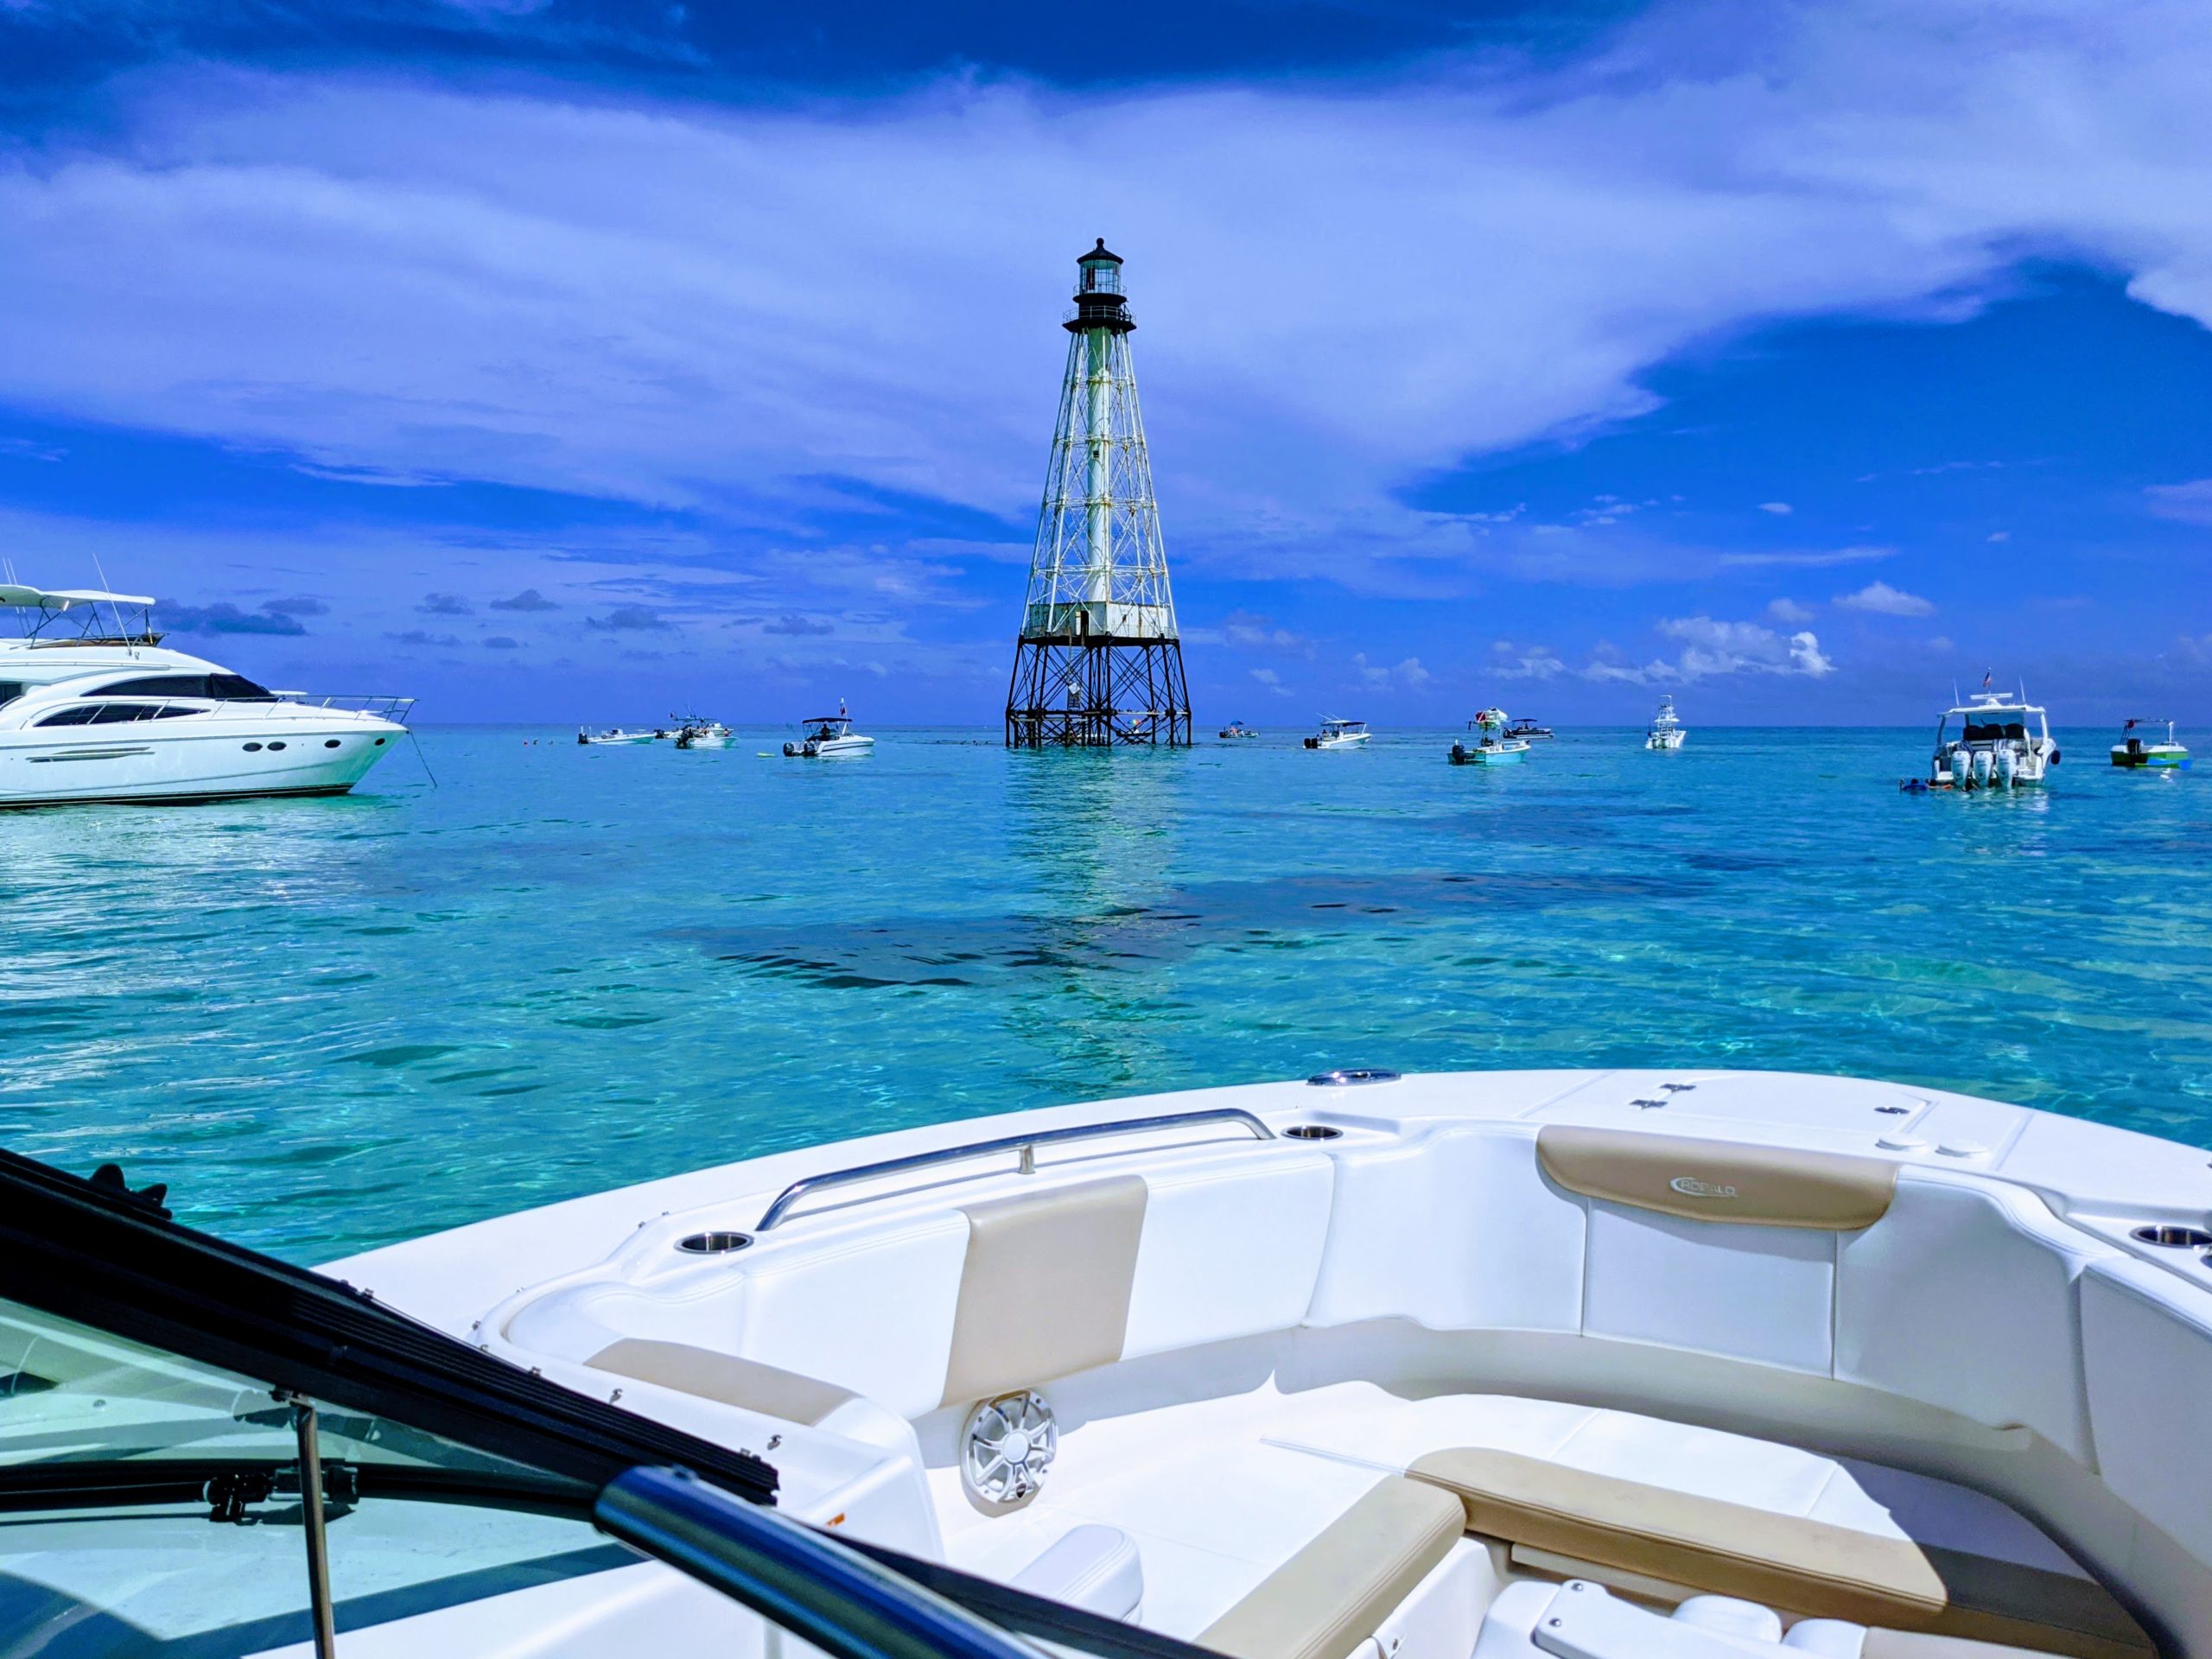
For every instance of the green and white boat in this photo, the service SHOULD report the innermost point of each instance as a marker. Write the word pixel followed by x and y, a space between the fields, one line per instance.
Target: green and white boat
pixel 2134 750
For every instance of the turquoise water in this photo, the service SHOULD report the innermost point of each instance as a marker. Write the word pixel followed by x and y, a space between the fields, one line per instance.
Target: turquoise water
pixel 332 1023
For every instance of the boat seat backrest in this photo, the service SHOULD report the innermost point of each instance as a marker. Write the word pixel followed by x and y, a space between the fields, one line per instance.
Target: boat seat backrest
pixel 1002 1292
pixel 1959 1292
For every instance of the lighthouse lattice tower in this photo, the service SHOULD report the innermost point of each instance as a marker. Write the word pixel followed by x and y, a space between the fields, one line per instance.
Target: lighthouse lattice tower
pixel 1099 662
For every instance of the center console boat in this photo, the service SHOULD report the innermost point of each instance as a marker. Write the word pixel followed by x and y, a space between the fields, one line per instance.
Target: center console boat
pixel 1674 1363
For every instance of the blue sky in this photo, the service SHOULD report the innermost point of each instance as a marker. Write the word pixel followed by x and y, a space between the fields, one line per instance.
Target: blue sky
pixel 581 361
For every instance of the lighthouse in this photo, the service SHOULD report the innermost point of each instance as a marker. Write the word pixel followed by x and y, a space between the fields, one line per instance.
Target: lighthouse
pixel 1099 662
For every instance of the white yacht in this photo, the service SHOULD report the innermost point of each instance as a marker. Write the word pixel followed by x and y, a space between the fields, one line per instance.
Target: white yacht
pixel 830 737
pixel 1338 735
pixel 1666 731
pixel 93 708
pixel 2002 742
pixel 1670 1363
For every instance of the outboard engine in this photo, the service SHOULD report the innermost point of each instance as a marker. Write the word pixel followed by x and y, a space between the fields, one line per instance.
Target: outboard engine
pixel 1981 768
pixel 2006 764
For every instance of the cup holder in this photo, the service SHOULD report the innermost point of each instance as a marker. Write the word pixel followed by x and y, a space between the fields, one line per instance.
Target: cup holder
pixel 2174 1238
pixel 1350 1075
pixel 1312 1132
pixel 721 1243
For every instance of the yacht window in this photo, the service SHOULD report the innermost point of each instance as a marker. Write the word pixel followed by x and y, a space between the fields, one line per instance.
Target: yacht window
pixel 159 685
pixel 83 714
pixel 11 689
pixel 236 688
pixel 117 714
pixel 200 1545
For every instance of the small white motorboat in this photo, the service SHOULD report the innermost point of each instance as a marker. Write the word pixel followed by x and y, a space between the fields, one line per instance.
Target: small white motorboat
pixel 1666 731
pixel 2133 751
pixel 1497 746
pixel 830 737
pixel 1338 735
pixel 2003 742
pixel 699 733
pixel 612 736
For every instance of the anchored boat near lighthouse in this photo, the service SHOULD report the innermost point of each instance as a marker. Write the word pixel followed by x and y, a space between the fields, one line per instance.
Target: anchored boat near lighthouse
pixel 1666 732
pixel 95 709
pixel 1497 746
pixel 2001 742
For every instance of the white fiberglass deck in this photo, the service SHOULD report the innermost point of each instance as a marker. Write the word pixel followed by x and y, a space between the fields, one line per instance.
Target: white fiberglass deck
pixel 1856 1357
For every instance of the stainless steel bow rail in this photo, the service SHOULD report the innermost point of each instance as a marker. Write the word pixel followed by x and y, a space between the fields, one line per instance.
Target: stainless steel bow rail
pixel 1024 1145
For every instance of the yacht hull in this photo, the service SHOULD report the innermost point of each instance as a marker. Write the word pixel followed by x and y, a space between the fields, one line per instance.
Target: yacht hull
pixel 225 759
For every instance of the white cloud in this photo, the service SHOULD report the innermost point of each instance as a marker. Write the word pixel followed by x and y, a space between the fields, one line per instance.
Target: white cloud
pixel 1528 663
pixel 1408 671
pixel 2189 502
pixel 1879 598
pixel 1789 610
pixel 1809 559
pixel 670 302
pixel 1711 649
pixel 1273 681
pixel 1779 509
pixel 1941 642
pixel 1999 535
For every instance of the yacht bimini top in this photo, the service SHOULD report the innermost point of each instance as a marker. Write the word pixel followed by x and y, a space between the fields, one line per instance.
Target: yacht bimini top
pixel 51 604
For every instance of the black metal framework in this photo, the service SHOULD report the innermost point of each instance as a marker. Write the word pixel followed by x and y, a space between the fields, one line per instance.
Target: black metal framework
pixel 1097 694
pixel 95 1254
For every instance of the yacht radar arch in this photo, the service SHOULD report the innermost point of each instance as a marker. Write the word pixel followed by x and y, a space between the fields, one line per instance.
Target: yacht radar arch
pixel 1099 661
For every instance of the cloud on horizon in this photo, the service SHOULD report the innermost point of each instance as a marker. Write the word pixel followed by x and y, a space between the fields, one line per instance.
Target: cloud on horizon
pixel 520 285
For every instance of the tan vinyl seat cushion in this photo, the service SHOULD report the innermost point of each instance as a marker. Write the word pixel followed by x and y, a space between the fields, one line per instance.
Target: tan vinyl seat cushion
pixel 1331 1596
pixel 1793 1563
pixel 768 1389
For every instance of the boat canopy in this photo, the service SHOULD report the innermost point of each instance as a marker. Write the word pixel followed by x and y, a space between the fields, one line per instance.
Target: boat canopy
pixel 61 599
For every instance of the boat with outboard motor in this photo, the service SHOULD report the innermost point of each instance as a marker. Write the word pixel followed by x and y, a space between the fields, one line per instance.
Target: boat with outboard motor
pixel 830 737
pixel 95 709
pixel 697 732
pixel 1338 735
pixel 1526 728
pixel 2003 742
pixel 613 736
pixel 2134 752
pixel 1237 729
pixel 1649 1363
pixel 1666 731
pixel 1497 746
